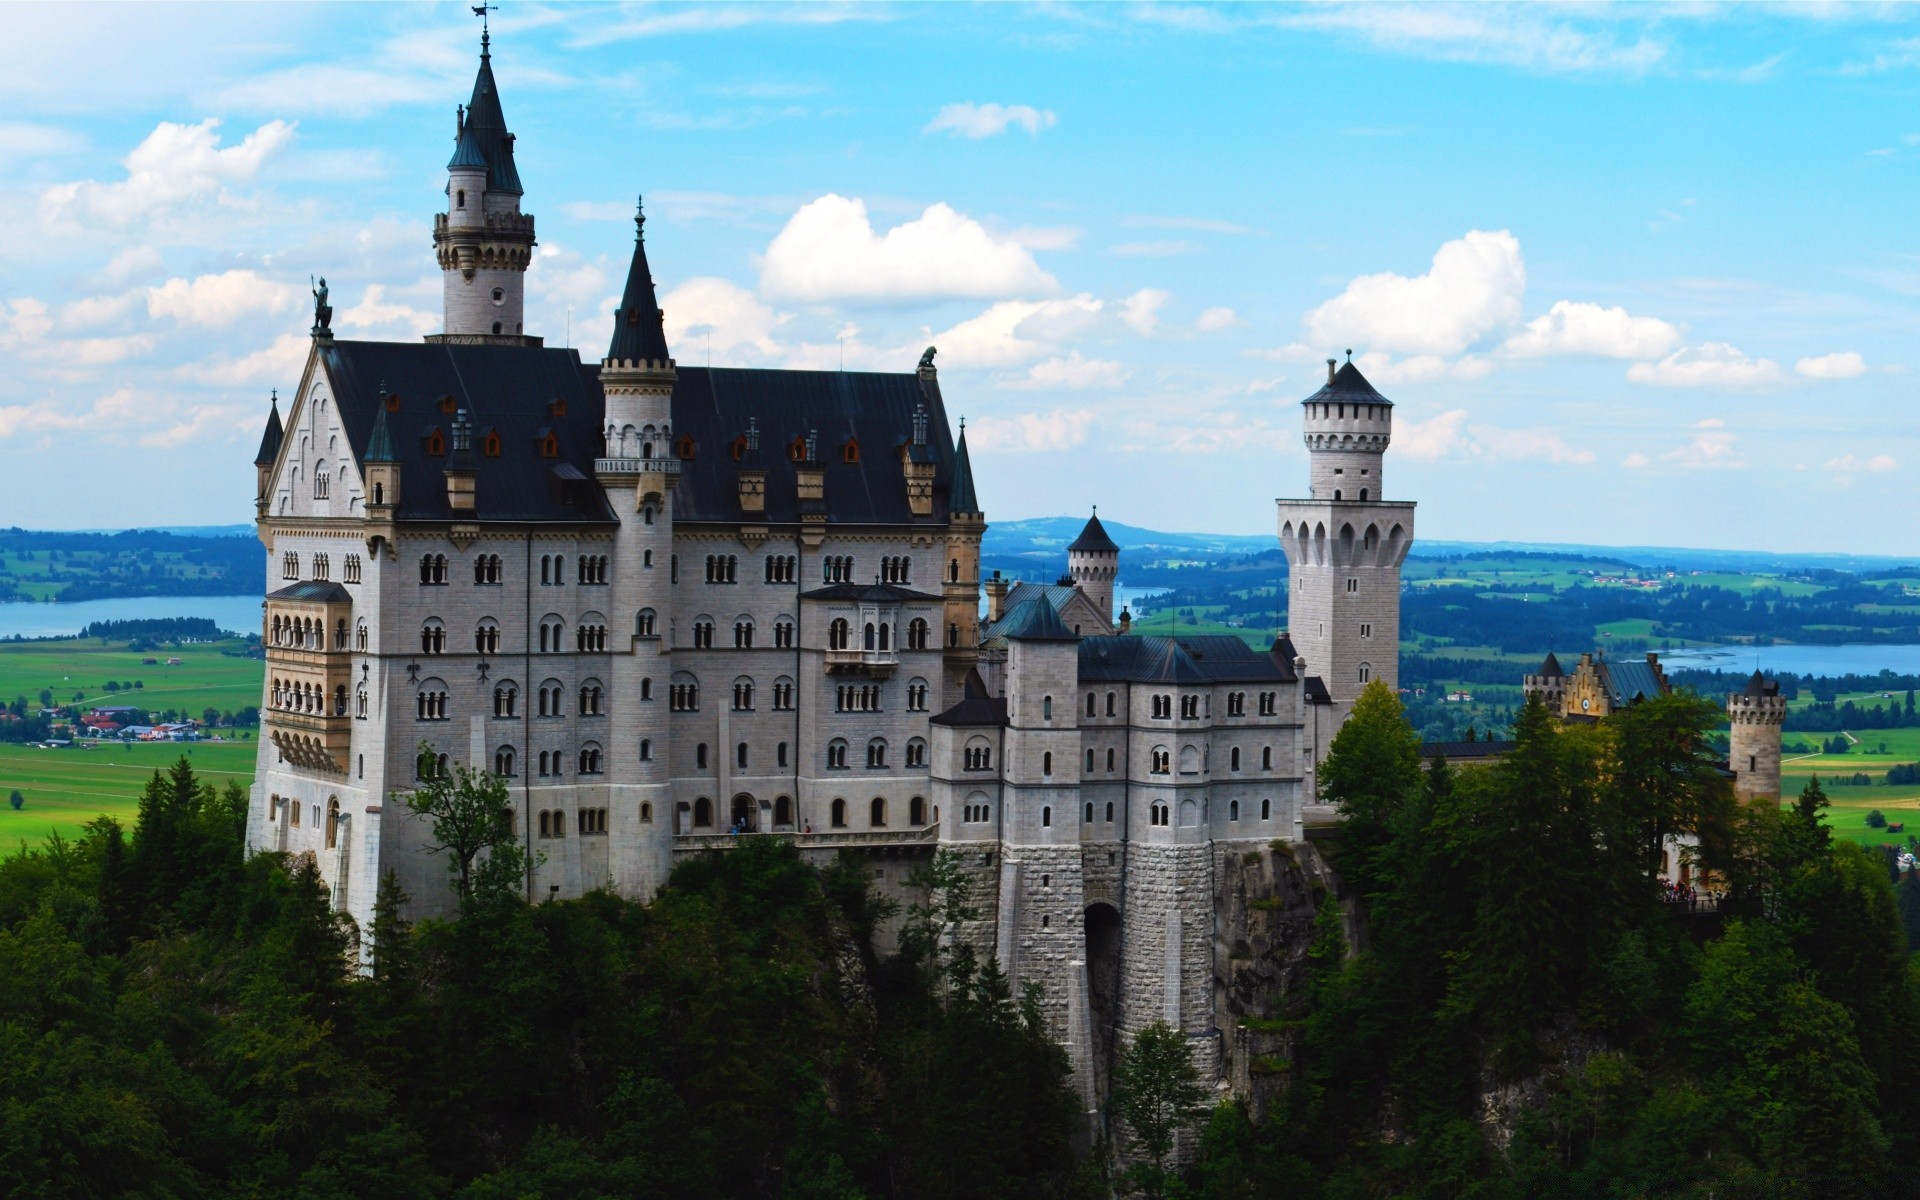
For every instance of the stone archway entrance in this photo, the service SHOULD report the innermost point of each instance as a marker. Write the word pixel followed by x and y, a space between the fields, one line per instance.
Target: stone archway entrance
pixel 746 813
pixel 1103 928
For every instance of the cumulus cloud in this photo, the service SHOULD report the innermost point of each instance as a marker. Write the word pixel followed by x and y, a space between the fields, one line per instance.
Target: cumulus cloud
pixel 1215 319
pixel 376 313
pixel 1473 288
pixel 1014 332
pixel 1074 371
pixel 1420 368
pixel 152 420
pixel 1576 327
pixel 710 314
pixel 1061 429
pixel 216 300
pixel 1711 364
pixel 1449 435
pixel 1710 448
pixel 1141 311
pixel 1851 464
pixel 977 121
pixel 829 251
pixel 175 165
pixel 1843 365
pixel 279 362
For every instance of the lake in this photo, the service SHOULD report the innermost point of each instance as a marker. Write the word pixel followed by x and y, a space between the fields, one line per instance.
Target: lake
pixel 1800 660
pixel 241 614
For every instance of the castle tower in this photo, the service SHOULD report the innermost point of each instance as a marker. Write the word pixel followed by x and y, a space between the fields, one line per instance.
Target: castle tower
pixel 960 583
pixel 1093 561
pixel 1550 686
pixel 1753 751
pixel 638 470
pixel 483 241
pixel 268 455
pixel 1345 542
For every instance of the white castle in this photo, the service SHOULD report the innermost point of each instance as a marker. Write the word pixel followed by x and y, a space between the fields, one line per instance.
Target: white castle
pixel 674 606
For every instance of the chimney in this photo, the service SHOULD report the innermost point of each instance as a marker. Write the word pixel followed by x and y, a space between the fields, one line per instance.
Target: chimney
pixel 460 467
pixel 916 462
pixel 996 597
pixel 1330 370
pixel 809 476
pixel 752 477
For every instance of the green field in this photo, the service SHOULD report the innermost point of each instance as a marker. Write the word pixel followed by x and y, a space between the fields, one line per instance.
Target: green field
pixel 78 671
pixel 67 788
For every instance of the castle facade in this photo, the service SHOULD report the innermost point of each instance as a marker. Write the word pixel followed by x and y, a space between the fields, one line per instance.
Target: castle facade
pixel 673 606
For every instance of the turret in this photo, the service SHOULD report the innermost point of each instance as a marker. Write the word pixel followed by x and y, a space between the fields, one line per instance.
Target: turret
pixel 483 241
pixel 1347 428
pixel 1549 686
pixel 1756 713
pixel 269 452
pixel 960 581
pixel 381 468
pixel 1093 562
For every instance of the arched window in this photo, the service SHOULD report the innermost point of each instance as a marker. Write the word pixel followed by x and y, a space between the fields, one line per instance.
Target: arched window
pixel 1046 708
pixel 1266 758
pixel 917 634
pixel 743 694
pixel 839 633
pixel 877 812
pixel 839 814
pixel 837 754
pixel 333 822
pixel 1234 758
pixel 1233 810
pixel 1162 760
pixel 1046 816
pixel 643 623
pixel 917 811
pixel 503 762
pixel 1366 672
pixel 702 813
pixel 1266 809
pixel 1090 705
pixel 916 752
pixel 1109 703
pixel 1109 812
pixel 646 750
pixel 1189 814
pixel 590 759
pixel 876 753
pixel 1046 763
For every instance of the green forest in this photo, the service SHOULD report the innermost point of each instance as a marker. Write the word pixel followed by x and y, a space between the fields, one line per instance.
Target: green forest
pixel 1525 1014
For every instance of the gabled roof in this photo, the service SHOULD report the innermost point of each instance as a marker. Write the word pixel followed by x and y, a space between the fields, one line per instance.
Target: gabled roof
pixel 1631 680
pixel 1093 539
pixel 1034 621
pixel 312 591
pixel 976 708
pixel 1348 384
pixel 1284 656
pixel 514 390
pixel 488 125
pixel 1214 658
pixel 639 329
pixel 870 410
pixel 961 499
pixel 871 593
pixel 270 439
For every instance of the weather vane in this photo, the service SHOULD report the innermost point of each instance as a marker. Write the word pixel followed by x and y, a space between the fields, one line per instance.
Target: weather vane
pixel 481 11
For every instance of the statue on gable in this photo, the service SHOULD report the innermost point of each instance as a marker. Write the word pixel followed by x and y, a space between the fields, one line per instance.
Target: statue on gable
pixel 322 311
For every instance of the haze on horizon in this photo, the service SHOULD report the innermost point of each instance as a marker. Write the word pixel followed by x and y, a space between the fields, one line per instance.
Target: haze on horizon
pixel 1632 275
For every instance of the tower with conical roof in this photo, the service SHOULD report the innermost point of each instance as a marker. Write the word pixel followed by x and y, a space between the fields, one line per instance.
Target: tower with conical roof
pixel 269 453
pixel 483 241
pixel 966 527
pixel 1757 713
pixel 1093 562
pixel 1549 686
pixel 1345 542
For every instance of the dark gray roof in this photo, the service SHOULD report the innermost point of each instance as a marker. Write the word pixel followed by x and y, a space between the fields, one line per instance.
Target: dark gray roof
pixel 875 593
pixel 510 391
pixel 1631 680
pixel 1140 658
pixel 488 125
pixel 962 499
pixel 466 151
pixel 639 330
pixel 1350 385
pixel 1760 685
pixel 976 707
pixel 1284 656
pixel 313 591
pixel 1550 669
pixel 1034 621
pixel 270 439
pixel 380 441
pixel 712 405
pixel 1093 539
pixel 1315 691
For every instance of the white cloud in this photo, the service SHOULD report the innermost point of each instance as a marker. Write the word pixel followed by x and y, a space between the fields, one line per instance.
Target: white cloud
pixel 375 313
pixel 1842 365
pixel 1636 461
pixel 1074 371
pixel 195 424
pixel 1576 327
pixel 1215 319
pixel 1712 364
pixel 1520 36
pixel 1449 435
pixel 1045 237
pixel 709 314
pixel 152 420
pixel 91 311
pixel 22 140
pixel 1013 332
pixel 1710 448
pixel 1420 368
pixel 1141 311
pixel 1061 429
pixel 216 300
pixel 1852 464
pixel 278 363
pixel 175 165
pixel 829 251
pixel 1473 288
pixel 977 121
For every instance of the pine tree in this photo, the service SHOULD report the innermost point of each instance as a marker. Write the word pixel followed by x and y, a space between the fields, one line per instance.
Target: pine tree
pixel 1157 1092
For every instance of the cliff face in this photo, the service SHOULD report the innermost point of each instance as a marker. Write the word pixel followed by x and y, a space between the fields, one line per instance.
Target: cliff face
pixel 1263 922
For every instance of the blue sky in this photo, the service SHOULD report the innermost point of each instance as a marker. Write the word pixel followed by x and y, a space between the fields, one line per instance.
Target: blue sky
pixel 1632 275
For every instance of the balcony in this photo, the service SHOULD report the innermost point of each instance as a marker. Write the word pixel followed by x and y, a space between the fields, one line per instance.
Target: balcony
pixel 832 839
pixel 878 663
pixel 636 466
pixel 310 741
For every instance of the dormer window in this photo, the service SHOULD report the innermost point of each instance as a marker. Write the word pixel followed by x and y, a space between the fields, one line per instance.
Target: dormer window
pixel 850 452
pixel 739 447
pixel 798 451
pixel 549 447
pixel 448 404
pixel 684 448
pixel 557 406
pixel 490 444
pixel 436 444
pixel 393 402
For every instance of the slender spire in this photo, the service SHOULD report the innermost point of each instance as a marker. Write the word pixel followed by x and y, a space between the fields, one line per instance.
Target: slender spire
pixel 270 440
pixel 488 126
pixel 960 497
pixel 639 329
pixel 380 442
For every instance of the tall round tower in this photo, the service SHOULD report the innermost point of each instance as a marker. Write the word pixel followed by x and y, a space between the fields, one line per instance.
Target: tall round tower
pixel 1344 543
pixel 1757 713
pixel 483 241
pixel 1093 562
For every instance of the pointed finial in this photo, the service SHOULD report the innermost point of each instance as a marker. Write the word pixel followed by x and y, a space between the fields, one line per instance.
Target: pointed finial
pixel 1096 510
pixel 486 38
pixel 639 215
pixel 1349 354
pixel 274 398
pixel 963 424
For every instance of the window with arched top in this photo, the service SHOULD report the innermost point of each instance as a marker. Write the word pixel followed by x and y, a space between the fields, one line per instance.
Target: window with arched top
pixel 702 813
pixel 839 634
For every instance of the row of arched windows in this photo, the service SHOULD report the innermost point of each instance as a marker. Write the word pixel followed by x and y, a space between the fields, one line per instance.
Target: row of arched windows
pixel 322 567
pixel 306 633
pixel 723 568
pixel 279 806
pixel 299 697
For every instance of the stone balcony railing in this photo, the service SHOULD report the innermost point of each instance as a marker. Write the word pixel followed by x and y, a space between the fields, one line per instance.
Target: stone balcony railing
pixel 636 466
pixel 871 661
pixel 832 839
